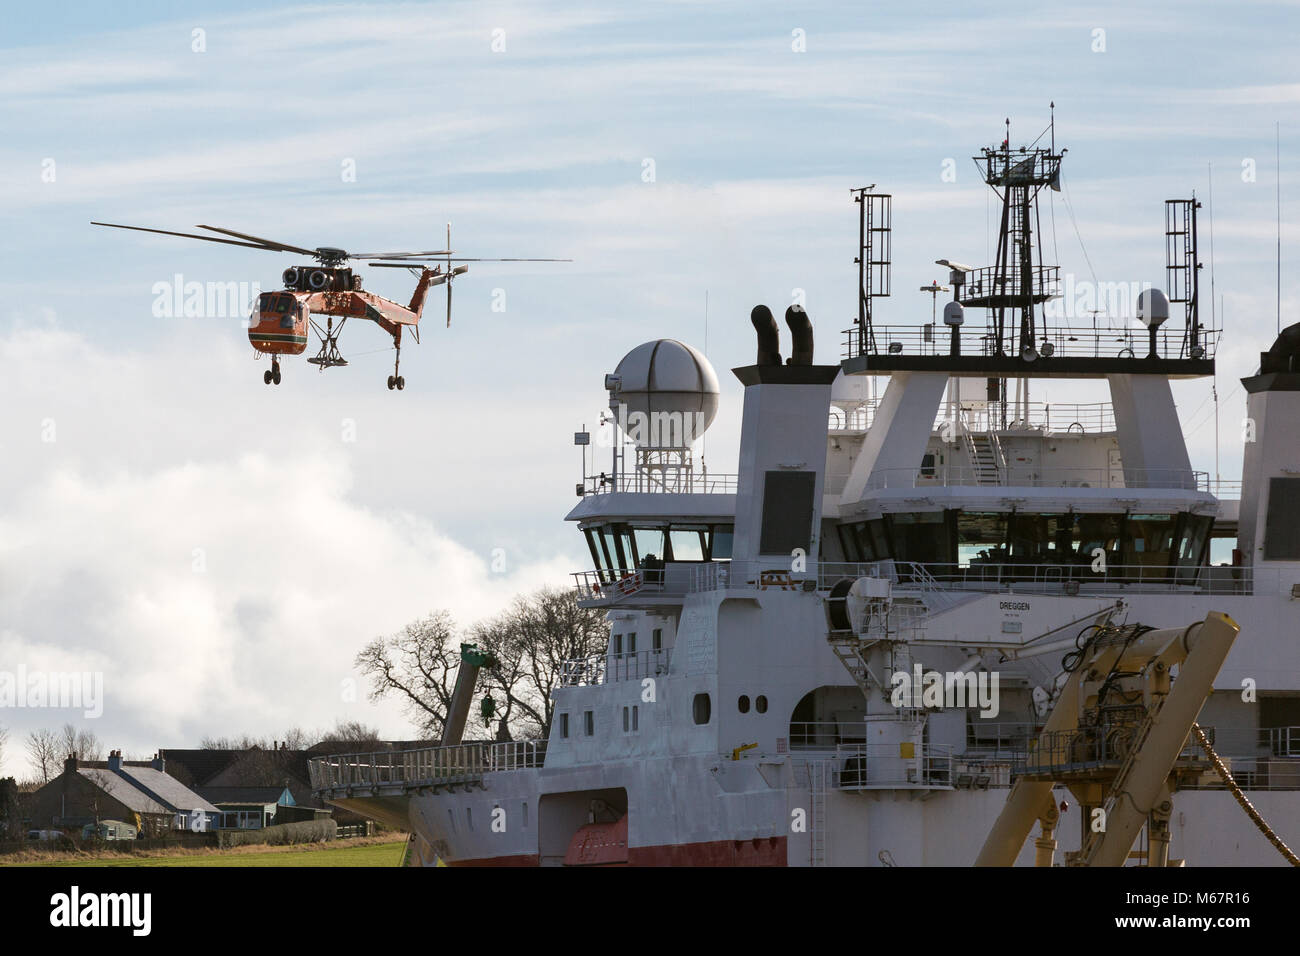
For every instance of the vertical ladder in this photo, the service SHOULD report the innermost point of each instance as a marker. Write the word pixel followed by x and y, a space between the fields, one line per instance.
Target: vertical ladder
pixel 817 823
pixel 875 230
pixel 1181 266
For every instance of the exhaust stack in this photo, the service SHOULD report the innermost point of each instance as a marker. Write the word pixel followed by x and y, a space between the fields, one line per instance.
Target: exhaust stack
pixel 769 337
pixel 801 334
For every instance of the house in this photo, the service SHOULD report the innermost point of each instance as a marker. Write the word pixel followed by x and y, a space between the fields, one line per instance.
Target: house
pixel 142 794
pixel 248 808
pixel 257 767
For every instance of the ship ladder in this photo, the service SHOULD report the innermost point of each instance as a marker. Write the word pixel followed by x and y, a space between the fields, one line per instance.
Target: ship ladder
pixel 817 825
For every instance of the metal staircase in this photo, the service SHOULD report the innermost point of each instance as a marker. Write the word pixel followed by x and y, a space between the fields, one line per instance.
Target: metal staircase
pixel 984 453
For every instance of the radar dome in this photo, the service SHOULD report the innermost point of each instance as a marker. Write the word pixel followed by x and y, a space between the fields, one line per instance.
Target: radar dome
pixel 661 383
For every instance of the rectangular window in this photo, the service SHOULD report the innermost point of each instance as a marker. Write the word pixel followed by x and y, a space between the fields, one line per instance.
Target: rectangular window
pixel 616 644
pixel 469 818
pixel 1282 522
pixel 631 642
pixel 657 638
pixel 564 725
pixel 687 544
pixel 720 542
pixel 525 814
pixel 627 721
pixel 635 722
pixel 589 722
pixel 787 511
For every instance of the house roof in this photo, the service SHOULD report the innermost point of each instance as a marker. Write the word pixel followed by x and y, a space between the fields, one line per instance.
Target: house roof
pixel 244 795
pixel 167 789
pixel 203 764
pixel 123 791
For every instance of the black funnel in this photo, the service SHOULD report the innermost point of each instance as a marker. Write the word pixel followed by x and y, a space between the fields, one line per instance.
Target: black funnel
pixel 801 333
pixel 769 338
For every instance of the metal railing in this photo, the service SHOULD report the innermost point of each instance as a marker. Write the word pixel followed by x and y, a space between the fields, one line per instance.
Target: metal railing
pixel 425 766
pixel 666 481
pixel 609 668
pixel 1122 342
pixel 995 576
pixel 984 416
pixel 882 767
pixel 1033 476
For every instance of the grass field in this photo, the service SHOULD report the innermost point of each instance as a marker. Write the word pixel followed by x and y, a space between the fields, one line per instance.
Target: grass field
pixel 386 852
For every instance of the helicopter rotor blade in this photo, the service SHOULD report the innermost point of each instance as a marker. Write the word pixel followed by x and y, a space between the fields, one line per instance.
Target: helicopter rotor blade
pixel 282 247
pixel 188 235
pixel 397 255
pixel 472 259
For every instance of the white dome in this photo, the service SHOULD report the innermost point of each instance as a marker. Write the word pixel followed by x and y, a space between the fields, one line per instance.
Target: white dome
pixel 667 377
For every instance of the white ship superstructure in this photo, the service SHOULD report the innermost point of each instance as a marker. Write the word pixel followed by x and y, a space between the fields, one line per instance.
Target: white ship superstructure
pixel 747 708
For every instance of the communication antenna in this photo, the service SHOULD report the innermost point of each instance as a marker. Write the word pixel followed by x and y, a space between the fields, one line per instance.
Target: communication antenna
pixel 1182 270
pixel 875 228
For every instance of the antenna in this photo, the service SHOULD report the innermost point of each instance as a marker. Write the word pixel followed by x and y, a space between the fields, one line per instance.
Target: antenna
pixel 1182 269
pixel 875 227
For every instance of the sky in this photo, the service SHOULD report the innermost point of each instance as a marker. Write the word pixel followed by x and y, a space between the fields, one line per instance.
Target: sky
pixel 219 550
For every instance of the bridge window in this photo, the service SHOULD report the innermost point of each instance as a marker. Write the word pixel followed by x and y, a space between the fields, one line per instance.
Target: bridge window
pixel 627 720
pixel 616 644
pixel 635 717
pixel 657 639
pixel 564 725
pixel 648 543
pixel 589 723
pixel 631 642
pixel 688 544
pixel 720 538
pixel 702 708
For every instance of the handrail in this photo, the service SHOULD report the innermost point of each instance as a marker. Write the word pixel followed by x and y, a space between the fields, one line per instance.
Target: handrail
pixel 609 668
pixel 424 766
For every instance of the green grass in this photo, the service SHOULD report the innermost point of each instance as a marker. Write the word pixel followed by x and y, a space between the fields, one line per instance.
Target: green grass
pixel 374 854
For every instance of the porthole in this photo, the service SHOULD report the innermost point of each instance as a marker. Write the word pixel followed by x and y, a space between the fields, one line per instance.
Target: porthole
pixel 743 704
pixel 760 704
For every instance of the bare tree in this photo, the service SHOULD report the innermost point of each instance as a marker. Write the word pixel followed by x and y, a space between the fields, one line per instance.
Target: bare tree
pixel 83 743
pixel 531 642
pixel 416 665
pixel 43 753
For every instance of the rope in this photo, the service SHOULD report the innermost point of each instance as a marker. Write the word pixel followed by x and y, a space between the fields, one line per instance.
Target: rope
pixel 1246 805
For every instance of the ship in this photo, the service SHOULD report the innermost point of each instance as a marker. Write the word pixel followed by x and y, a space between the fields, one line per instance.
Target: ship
pixel 773 630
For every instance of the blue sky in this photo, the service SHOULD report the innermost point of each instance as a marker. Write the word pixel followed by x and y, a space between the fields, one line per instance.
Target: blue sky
pixel 167 442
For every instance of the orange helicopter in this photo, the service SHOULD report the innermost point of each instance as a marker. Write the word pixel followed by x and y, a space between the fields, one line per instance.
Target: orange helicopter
pixel 279 324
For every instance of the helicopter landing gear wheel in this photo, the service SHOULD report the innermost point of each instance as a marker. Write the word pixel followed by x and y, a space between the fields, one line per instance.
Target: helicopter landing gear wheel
pixel 275 375
pixel 396 381
pixel 266 377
